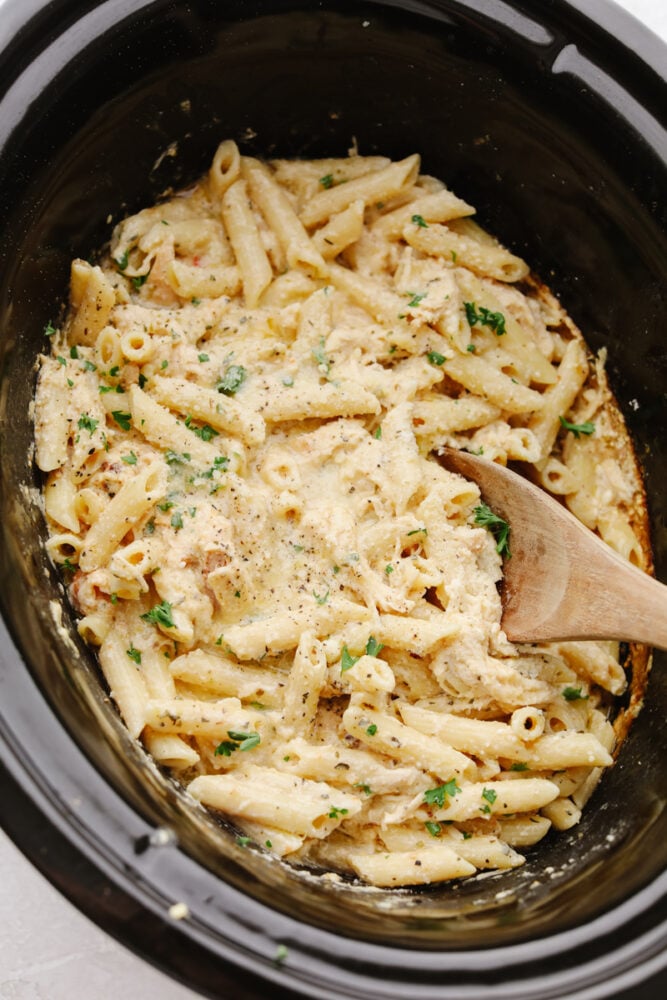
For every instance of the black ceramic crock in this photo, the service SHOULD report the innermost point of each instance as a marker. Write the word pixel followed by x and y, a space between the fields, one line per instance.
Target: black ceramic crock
pixel 550 117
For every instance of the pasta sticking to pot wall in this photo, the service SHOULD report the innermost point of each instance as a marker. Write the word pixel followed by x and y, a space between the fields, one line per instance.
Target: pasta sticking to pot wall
pixel 294 604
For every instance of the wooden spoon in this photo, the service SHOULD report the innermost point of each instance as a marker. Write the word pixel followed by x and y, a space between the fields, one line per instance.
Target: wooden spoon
pixel 562 581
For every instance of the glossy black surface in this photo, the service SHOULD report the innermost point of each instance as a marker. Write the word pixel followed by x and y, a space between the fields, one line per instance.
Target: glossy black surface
pixel 555 130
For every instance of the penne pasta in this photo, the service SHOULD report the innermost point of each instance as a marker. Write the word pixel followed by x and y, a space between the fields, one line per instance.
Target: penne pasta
pixel 294 604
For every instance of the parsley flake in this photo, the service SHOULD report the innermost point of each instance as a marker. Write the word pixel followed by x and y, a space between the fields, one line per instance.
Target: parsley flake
pixel 122 419
pixel 232 380
pixel 246 741
pixel 437 796
pixel 574 694
pixel 205 432
pixel 433 828
pixel 122 261
pixel 327 181
pixel 435 358
pixel 87 423
pixel 373 647
pixel 133 653
pixel 160 614
pixel 335 812
pixel 588 427
pixel 494 320
pixel 499 528
pixel 415 299
pixel 420 221
pixel 130 459
pixel 320 355
pixel 347 660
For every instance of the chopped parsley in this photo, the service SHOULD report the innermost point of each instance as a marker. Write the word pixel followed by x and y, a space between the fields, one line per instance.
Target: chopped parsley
pixel 347 660
pixel 122 261
pixel 418 531
pixel 74 352
pixel 519 765
pixel 232 380
pixel 177 520
pixel 327 181
pixel 366 789
pixel 122 419
pixel 243 841
pixel 130 459
pixel 372 729
pixel 574 694
pixel 335 812
pixel 419 221
pixel 87 423
pixel 494 320
pixel 133 653
pixel 160 614
pixel 89 366
pixel 438 795
pixel 281 954
pixel 142 380
pixel 176 458
pixel 588 427
pixel 373 647
pixel 433 828
pixel 49 329
pixel 388 569
pixel 321 598
pixel 435 358
pixel 499 528
pixel 246 741
pixel 378 433
pixel 203 357
pixel 205 432
pixel 415 299
pixel 490 795
pixel 320 356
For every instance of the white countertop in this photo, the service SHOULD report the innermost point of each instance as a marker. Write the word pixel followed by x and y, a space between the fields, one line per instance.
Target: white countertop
pixel 48 950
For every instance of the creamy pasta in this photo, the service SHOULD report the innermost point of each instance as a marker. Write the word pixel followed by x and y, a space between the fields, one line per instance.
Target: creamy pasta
pixel 294 604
